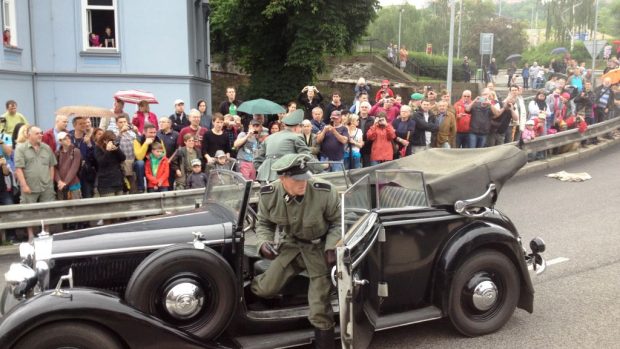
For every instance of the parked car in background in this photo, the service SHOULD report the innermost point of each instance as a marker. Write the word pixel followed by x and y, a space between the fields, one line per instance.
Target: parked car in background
pixel 422 240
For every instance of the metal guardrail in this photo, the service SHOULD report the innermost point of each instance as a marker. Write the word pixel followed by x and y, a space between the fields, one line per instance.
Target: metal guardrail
pixel 139 205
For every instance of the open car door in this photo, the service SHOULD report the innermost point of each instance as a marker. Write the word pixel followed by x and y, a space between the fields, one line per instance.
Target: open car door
pixel 360 230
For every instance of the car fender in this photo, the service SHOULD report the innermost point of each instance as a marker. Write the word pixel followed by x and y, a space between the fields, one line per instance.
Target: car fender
pixel 472 237
pixel 134 328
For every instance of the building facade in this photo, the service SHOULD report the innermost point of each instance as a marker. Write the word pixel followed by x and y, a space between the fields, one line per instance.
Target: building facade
pixel 80 52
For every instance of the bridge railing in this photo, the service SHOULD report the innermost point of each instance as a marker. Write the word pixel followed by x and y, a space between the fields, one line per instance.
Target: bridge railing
pixel 140 205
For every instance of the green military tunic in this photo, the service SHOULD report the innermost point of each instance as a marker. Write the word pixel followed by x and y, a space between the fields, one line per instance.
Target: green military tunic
pixel 311 225
pixel 273 148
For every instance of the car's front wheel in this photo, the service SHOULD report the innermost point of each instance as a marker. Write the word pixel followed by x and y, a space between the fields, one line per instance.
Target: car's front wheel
pixel 69 335
pixel 188 288
pixel 483 294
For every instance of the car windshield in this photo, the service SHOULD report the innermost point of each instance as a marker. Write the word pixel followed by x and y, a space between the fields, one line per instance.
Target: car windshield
pixel 355 204
pixel 227 189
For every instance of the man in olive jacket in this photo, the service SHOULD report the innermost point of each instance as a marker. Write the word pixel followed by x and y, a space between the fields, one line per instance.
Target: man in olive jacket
pixel 307 210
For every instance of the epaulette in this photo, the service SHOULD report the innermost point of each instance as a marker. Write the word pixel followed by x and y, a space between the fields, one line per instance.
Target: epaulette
pixel 267 189
pixel 322 186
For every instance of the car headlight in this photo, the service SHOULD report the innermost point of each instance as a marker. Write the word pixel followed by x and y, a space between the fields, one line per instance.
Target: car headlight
pixel 20 279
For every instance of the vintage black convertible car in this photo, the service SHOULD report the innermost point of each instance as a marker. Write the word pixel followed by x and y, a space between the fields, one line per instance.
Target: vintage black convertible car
pixel 421 241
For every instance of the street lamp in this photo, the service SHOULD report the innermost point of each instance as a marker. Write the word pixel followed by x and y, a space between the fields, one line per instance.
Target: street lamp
pixel 595 50
pixel 451 48
pixel 458 45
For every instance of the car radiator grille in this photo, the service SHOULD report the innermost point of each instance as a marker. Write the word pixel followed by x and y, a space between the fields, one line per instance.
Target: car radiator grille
pixel 110 273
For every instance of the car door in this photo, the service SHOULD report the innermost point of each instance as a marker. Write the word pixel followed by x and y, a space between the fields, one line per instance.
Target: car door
pixel 361 230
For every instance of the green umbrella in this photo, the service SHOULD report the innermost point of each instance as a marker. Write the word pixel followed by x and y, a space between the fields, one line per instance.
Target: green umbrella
pixel 260 106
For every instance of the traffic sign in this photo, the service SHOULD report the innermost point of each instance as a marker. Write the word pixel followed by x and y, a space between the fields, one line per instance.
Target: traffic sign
pixel 594 47
pixel 486 43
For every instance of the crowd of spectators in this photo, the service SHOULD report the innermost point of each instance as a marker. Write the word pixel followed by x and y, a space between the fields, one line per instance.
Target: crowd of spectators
pixel 146 153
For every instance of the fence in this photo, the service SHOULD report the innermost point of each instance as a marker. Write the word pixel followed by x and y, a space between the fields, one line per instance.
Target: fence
pixel 139 205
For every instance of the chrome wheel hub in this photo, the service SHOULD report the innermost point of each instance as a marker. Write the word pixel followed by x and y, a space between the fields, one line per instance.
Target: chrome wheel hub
pixel 484 295
pixel 184 300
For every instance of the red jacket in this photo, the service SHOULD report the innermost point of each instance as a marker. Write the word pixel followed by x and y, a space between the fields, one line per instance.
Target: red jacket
pixel 139 120
pixel 381 138
pixel 50 139
pixel 463 118
pixel 163 172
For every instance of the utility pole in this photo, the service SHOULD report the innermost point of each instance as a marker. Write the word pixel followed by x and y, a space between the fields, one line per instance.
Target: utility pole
pixel 499 14
pixel 400 22
pixel 594 38
pixel 458 45
pixel 451 48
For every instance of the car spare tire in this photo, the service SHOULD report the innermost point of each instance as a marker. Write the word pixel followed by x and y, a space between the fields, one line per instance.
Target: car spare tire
pixel 191 289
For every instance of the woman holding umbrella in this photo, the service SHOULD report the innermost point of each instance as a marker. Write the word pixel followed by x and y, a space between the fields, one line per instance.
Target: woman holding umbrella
pixel 144 115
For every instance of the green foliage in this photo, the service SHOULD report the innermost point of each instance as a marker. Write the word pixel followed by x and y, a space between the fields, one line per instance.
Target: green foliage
pixel 436 66
pixel 542 54
pixel 609 20
pixel 282 43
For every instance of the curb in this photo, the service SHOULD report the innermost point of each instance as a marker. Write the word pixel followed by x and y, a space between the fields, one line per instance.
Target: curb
pixel 530 167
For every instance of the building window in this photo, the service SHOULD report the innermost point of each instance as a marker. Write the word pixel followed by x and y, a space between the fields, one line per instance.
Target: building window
pixel 9 28
pixel 99 23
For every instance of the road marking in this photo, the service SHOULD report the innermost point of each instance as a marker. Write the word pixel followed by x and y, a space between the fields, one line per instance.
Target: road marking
pixel 557 260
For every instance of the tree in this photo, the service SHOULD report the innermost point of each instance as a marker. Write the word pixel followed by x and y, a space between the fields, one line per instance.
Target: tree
pixel 509 37
pixel 282 43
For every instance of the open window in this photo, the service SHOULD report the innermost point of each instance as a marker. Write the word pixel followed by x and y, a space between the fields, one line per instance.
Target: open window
pixel 9 25
pixel 99 25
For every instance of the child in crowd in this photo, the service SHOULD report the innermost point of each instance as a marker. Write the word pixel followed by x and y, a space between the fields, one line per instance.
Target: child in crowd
pixel 157 169
pixel 529 133
pixel 197 179
pixel 221 162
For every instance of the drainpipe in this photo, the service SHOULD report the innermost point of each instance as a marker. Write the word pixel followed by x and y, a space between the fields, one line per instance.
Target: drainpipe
pixel 33 65
pixel 208 59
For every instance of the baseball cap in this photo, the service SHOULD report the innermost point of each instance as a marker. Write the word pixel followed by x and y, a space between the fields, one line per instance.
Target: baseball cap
pixel 61 135
pixel 219 154
pixel 178 101
pixel 417 96
pixel 565 95
pixel 196 162
pixel 255 122
pixel 530 122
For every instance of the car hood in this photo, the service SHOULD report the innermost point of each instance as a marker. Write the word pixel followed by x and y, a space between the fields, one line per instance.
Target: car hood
pixel 214 222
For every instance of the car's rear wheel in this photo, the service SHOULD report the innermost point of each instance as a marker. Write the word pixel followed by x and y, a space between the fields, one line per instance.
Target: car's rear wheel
pixel 188 288
pixel 483 294
pixel 69 335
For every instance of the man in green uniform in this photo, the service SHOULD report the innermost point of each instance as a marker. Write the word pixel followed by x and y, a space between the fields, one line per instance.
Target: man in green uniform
pixel 288 141
pixel 307 210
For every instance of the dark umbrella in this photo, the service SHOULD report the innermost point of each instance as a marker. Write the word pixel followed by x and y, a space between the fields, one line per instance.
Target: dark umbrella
pixel 515 57
pixel 260 106
pixel 558 50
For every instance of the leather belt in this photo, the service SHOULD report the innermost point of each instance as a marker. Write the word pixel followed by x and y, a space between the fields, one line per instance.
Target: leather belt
pixel 310 242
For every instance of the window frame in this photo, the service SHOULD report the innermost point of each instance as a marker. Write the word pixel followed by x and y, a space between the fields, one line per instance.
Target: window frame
pixel 86 27
pixel 8 13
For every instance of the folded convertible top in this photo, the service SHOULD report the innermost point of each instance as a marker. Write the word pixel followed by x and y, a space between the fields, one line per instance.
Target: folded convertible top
pixel 456 174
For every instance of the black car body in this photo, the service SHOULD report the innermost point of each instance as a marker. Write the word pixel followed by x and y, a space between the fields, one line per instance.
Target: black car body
pixel 413 250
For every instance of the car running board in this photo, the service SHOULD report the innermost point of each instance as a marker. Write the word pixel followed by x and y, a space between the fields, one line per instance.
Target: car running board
pixel 410 317
pixel 287 313
pixel 286 339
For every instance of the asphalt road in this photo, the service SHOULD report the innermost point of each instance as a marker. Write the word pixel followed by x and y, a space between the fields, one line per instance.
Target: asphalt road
pixel 576 303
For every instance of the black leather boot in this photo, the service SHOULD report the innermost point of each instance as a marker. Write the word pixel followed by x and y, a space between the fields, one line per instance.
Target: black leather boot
pixel 324 339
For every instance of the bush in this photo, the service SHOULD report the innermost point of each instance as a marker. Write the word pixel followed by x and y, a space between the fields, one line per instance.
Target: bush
pixel 542 53
pixel 435 66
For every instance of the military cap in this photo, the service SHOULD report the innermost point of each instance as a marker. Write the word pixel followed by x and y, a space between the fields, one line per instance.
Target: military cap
pixel 417 96
pixel 294 166
pixel 293 119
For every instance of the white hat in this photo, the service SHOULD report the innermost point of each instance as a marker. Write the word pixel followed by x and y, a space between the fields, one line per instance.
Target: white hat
pixel 61 135
pixel 219 153
pixel 178 101
pixel 196 162
pixel 530 122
